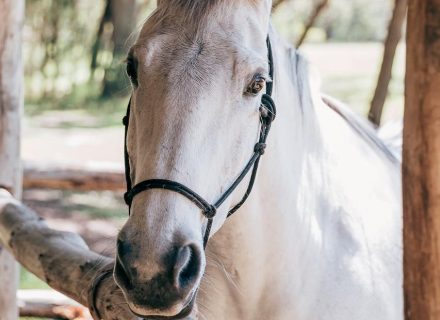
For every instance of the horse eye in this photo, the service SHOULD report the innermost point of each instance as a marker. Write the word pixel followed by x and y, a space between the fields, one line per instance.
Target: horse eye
pixel 131 71
pixel 257 84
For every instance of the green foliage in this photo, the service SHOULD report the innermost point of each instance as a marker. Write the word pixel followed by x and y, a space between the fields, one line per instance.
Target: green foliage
pixel 29 281
pixel 342 20
pixel 60 36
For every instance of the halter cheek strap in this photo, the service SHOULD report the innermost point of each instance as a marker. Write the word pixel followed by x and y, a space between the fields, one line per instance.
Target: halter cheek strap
pixel 267 115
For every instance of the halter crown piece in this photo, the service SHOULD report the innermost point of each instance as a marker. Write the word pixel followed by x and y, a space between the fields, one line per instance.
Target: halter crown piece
pixel 267 116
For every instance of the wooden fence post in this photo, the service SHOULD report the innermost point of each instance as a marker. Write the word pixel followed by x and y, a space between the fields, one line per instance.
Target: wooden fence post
pixel 421 163
pixel 11 100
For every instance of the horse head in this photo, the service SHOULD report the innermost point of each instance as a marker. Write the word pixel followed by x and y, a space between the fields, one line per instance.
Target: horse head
pixel 199 70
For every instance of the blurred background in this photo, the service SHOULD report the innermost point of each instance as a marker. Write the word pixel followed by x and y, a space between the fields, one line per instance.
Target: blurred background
pixel 76 90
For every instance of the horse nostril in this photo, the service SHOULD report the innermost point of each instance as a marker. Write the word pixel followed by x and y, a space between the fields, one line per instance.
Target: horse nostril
pixel 123 248
pixel 187 266
pixel 121 275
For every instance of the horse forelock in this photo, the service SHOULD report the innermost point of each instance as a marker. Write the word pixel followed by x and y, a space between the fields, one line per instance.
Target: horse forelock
pixel 194 13
pixel 199 7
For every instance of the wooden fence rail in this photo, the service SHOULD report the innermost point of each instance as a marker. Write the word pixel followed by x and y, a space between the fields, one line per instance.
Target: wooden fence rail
pixel 67 178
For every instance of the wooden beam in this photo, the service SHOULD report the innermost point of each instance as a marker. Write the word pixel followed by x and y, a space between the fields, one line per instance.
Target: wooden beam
pixel 421 162
pixel 78 179
pixel 11 101
pixel 53 311
pixel 386 71
pixel 61 259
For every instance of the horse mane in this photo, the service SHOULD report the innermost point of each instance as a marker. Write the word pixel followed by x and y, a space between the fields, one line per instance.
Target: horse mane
pixel 308 88
pixel 360 125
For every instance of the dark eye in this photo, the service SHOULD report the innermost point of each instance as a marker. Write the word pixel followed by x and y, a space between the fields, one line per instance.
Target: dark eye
pixel 132 70
pixel 257 84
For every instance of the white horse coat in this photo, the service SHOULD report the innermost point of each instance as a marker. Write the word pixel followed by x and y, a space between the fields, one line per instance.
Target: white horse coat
pixel 320 237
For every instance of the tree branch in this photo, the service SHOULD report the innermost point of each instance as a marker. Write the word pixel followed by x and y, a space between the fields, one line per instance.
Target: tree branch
pixel 316 13
pixel 385 74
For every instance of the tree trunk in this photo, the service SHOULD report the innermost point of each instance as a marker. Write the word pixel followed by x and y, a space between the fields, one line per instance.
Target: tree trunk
pixel 316 13
pixel 421 163
pixel 123 18
pixel 98 40
pixel 61 259
pixel 11 78
pixel 386 71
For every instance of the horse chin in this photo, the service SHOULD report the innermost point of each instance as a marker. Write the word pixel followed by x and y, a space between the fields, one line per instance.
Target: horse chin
pixel 186 311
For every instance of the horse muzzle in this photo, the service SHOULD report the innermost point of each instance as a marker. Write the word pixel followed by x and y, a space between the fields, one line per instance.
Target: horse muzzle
pixel 169 294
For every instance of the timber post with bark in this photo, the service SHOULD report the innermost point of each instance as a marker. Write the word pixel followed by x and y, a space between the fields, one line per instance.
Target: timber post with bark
pixel 61 259
pixel 11 101
pixel 421 163
pixel 386 70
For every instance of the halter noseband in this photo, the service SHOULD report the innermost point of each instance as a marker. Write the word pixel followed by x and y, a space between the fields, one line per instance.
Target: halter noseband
pixel 267 115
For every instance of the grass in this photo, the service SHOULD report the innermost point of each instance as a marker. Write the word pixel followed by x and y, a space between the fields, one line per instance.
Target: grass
pixel 29 281
pixel 103 112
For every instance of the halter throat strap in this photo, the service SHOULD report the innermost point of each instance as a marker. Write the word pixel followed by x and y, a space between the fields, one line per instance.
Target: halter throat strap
pixel 267 116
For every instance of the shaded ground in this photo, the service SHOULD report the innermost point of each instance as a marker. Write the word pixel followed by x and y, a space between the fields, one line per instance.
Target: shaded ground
pixel 96 216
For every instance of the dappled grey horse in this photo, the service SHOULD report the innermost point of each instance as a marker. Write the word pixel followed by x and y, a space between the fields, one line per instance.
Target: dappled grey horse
pixel 319 236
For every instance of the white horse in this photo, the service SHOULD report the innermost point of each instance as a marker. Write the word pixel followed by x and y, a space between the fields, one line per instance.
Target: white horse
pixel 319 236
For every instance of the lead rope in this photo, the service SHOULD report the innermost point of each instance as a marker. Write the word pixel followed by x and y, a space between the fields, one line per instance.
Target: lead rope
pixel 267 116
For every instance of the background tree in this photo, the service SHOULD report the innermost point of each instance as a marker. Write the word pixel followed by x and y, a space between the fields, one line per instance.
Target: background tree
pixel 119 19
pixel 11 100
pixel 312 20
pixel 391 42
pixel 421 162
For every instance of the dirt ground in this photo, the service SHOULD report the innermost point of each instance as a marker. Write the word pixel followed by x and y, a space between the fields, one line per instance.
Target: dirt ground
pixel 64 211
pixel 95 215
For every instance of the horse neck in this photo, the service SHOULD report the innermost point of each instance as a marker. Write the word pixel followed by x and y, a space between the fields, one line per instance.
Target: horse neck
pixel 270 226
